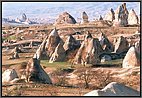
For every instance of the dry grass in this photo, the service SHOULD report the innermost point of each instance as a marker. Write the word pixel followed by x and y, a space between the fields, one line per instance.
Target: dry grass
pixel 43 90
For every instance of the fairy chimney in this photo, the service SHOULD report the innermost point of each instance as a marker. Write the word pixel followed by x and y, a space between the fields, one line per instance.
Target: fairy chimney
pixel 110 16
pixel 132 58
pixel 132 18
pixel 85 17
pixel 35 73
pixel 71 43
pixel 41 52
pixel 52 42
pixel 105 43
pixel 59 54
pixel 121 16
pixel 121 45
pixel 65 18
pixel 100 18
pixel 89 51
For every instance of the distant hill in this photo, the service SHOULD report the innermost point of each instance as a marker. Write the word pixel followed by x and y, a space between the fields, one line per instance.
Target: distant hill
pixel 48 11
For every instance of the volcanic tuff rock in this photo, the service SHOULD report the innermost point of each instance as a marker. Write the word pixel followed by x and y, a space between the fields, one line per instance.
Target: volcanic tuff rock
pixel 137 46
pixel 88 51
pixel 121 16
pixel 71 43
pixel 58 54
pixel 132 18
pixel 114 89
pixel 41 50
pixel 105 43
pixel 9 75
pixel 85 17
pixel 52 42
pixel 110 16
pixel 132 58
pixel 24 17
pixel 101 18
pixel 121 45
pixel 35 73
pixel 65 18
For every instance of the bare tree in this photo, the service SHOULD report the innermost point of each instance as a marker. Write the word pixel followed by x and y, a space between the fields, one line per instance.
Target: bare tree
pixel 86 76
pixel 98 78
pixel 60 77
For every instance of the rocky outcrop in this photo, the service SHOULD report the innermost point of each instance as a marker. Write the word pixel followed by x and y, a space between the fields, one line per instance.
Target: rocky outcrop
pixel 137 47
pixel 41 50
pixel 89 51
pixel 24 17
pixel 35 73
pixel 23 20
pixel 132 18
pixel 105 43
pixel 14 53
pixel 84 17
pixel 16 49
pixel 114 89
pixel 52 42
pixel 132 58
pixel 9 75
pixel 121 16
pixel 71 43
pixel 59 54
pixel 65 18
pixel 121 45
pixel 14 56
pixel 100 18
pixel 110 16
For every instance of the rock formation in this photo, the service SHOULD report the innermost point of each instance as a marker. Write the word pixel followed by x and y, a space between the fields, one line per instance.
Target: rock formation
pixel 16 49
pixel 137 47
pixel 65 18
pixel 110 16
pixel 41 50
pixel 71 43
pixel 101 18
pixel 9 75
pixel 23 20
pixel 59 54
pixel 16 56
pixel 52 42
pixel 121 45
pixel 132 58
pixel 132 18
pixel 89 51
pixel 121 16
pixel 114 89
pixel 24 17
pixel 14 53
pixel 85 17
pixel 35 73
pixel 105 43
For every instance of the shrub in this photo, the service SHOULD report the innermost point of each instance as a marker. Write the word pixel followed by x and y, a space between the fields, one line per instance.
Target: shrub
pixel 94 79
pixel 60 77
